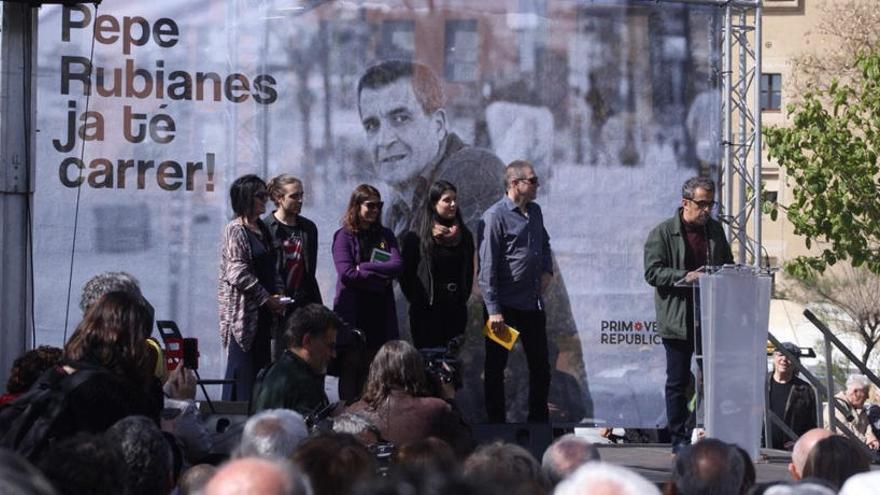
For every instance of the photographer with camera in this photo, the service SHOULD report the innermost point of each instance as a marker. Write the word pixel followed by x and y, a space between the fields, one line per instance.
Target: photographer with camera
pixel 296 380
pixel 397 399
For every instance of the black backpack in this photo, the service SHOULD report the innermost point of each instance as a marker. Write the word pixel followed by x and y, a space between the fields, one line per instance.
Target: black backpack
pixel 27 422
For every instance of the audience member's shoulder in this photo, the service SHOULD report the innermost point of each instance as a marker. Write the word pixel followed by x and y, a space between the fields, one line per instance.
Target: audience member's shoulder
pixel 434 404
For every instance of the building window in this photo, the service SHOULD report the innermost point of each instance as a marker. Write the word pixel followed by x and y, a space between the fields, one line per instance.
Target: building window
pixel 462 51
pixel 398 40
pixel 771 91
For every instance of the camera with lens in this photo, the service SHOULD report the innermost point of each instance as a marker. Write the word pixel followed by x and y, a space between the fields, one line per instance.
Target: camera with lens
pixel 442 365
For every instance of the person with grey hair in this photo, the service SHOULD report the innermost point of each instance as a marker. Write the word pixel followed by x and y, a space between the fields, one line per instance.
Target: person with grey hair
pixel 273 433
pixel 676 250
pixel 255 475
pixel 103 283
pixel 565 455
pixel 852 400
pixel 505 464
pixel 605 478
pixel 146 454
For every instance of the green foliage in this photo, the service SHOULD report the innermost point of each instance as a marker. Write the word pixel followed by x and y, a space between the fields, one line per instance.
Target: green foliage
pixel 830 152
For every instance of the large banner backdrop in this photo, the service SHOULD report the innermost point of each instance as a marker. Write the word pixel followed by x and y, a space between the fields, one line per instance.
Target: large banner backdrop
pixel 616 103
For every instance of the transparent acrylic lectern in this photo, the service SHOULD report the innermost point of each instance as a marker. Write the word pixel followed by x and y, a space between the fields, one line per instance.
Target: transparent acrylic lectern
pixel 734 311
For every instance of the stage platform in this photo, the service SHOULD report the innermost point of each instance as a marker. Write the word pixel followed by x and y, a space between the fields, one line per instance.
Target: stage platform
pixel 655 461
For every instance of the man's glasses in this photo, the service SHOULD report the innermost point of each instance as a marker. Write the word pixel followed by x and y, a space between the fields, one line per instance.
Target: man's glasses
pixel 703 205
pixel 373 205
pixel 531 180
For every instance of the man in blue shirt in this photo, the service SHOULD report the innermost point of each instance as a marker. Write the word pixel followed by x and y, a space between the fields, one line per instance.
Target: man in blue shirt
pixel 515 268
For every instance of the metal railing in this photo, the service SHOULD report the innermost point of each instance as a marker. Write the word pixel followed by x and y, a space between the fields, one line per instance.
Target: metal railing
pixel 823 390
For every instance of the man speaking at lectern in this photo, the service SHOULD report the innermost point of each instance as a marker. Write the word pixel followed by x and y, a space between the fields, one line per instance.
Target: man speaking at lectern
pixel 675 249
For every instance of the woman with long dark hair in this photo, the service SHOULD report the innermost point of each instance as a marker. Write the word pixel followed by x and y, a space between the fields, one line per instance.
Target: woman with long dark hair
pixel 438 269
pixel 249 289
pixel 104 372
pixel 397 399
pixel 367 260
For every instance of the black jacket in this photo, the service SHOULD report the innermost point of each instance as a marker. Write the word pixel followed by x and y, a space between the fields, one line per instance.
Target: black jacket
pixel 417 281
pixel 800 408
pixel 308 292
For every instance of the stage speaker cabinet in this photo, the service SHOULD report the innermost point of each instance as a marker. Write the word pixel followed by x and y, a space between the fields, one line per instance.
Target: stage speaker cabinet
pixel 534 437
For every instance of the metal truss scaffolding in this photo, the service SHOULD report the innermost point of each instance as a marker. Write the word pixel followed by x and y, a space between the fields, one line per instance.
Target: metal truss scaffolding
pixel 741 128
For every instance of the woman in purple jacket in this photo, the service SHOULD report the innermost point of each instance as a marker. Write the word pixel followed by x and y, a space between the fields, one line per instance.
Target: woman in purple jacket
pixel 367 260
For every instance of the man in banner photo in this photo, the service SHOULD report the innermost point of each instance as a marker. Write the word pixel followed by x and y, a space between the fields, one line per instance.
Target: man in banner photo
pixel 515 269
pixel 401 109
pixel 674 251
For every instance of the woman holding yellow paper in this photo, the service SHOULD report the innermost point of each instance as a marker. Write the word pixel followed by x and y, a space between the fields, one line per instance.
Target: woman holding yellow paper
pixel 367 260
pixel 438 269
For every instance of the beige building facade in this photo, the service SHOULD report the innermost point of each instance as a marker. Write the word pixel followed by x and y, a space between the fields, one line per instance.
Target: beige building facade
pixel 788 30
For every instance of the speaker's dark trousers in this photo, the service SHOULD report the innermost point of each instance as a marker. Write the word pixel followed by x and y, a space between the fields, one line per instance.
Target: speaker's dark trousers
pixel 680 383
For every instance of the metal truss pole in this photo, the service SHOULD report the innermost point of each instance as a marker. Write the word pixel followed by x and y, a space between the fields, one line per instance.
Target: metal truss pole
pixel 18 32
pixel 741 109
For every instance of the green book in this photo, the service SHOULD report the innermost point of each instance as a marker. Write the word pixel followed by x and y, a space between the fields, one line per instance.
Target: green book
pixel 380 255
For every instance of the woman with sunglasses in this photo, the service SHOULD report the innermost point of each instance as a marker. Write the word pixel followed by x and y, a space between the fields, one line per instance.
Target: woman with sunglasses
pixel 250 287
pixel 367 260
pixel 438 269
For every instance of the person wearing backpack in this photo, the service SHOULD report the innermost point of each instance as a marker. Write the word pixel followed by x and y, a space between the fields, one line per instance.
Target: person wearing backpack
pixel 104 376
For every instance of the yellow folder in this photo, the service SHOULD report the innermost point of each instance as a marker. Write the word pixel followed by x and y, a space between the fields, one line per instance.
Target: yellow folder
pixel 507 343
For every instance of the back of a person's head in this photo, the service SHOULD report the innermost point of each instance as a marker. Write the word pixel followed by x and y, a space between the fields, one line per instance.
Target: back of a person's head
pixel 504 463
pixel 146 454
pixel 565 455
pixel 312 319
pixel 194 479
pixel 335 462
pixel 862 484
pixel 397 366
pixel 252 475
pixel 709 466
pixel 84 464
pixel 28 367
pixel 272 433
pixel 802 448
pixel 112 334
pixel 19 477
pixel 428 454
pixel 104 283
pixel 607 479
pixel 835 459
